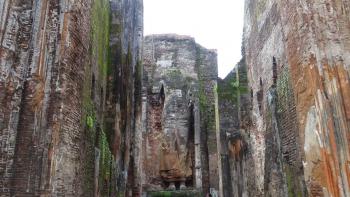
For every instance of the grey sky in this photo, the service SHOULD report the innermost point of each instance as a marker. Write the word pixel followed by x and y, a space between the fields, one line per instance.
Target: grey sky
pixel 215 24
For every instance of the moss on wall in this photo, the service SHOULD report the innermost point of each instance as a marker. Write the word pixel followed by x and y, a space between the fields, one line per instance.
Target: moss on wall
pixel 106 160
pixel 234 85
pixel 88 123
pixel 290 178
pixel 260 8
pixel 101 34
pixel 203 100
pixel 286 114
pixel 92 121
pixel 174 73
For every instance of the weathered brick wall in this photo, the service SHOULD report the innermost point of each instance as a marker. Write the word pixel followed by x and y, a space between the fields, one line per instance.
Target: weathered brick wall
pixel 169 75
pixel 237 164
pixel 188 74
pixel 290 145
pixel 320 79
pixel 308 42
pixel 55 73
pixel 125 79
pixel 206 65
pixel 229 124
pixel 37 65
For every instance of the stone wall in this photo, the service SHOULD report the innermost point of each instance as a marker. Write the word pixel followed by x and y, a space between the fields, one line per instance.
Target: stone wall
pixel 179 139
pixel 58 74
pixel 298 69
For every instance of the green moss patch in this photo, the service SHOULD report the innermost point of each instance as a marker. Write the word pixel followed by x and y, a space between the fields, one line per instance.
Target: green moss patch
pixel 106 164
pixel 101 34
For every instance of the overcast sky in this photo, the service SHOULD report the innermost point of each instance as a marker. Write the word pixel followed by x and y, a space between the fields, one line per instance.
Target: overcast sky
pixel 215 24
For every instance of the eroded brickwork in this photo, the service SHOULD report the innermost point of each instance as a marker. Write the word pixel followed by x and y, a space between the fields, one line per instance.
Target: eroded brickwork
pixel 33 81
pixel 298 68
pixel 179 140
pixel 55 69
pixel 237 164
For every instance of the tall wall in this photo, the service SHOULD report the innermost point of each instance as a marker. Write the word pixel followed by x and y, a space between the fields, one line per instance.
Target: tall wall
pixel 297 54
pixel 237 163
pixel 65 106
pixel 179 139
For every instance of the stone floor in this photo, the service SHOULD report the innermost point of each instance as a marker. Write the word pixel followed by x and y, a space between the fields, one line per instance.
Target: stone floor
pixel 179 193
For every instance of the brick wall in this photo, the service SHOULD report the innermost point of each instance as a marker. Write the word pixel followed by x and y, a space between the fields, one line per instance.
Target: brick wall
pixel 294 45
pixel 236 152
pixel 188 74
pixel 55 136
